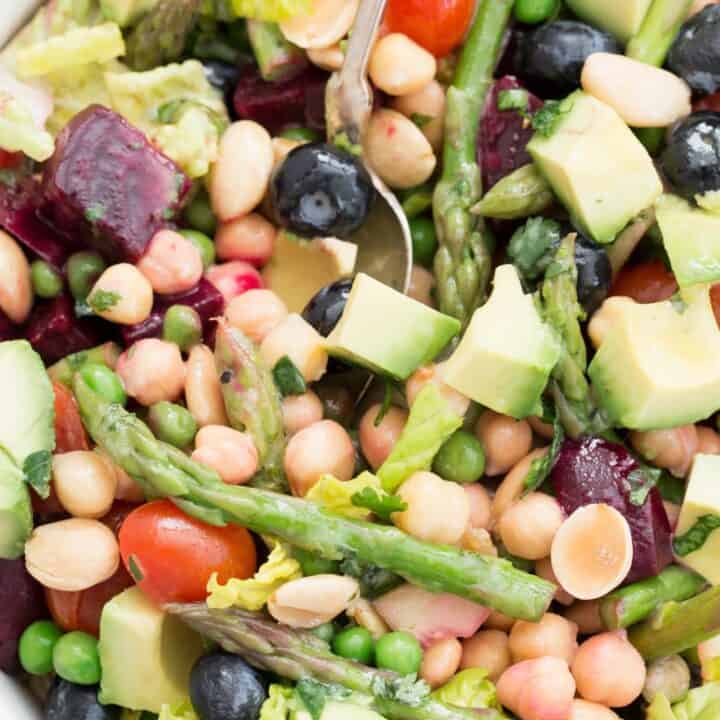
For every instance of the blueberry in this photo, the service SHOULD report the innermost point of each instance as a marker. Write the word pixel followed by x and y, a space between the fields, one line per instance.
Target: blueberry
pixel 325 309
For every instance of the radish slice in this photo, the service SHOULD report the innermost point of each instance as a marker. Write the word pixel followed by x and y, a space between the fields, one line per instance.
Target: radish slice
pixel 592 551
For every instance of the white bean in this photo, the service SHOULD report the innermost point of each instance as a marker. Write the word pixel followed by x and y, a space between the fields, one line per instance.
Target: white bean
pixel 171 263
pixel 328 22
pixel 152 370
pixel 398 151
pixel 301 411
pixel 441 661
pixel 241 175
pixel 328 58
pixel 250 238
pixel 84 483
pixel 72 554
pixel 232 454
pixel 127 296
pixel 16 291
pixel 399 66
pixel 428 105
pixel 299 340
pixel 203 393
pixel 643 95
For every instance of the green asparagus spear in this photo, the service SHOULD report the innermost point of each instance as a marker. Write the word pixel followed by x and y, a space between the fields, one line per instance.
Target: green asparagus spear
pixel 252 402
pixel 165 471
pixel 277 59
pixel 523 193
pixel 297 654
pixel 678 626
pixel 160 37
pixel 463 261
pixel 657 33
pixel 635 602
pixel 63 370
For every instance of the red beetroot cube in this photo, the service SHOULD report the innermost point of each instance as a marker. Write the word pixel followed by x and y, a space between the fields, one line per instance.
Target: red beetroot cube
pixel 109 185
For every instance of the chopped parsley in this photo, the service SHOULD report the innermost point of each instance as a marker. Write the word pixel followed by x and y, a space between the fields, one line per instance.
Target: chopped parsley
pixel 102 300
pixel 546 119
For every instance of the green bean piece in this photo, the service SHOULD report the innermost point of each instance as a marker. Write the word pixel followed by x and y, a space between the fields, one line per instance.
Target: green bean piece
pixel 105 382
pixel 83 269
pixel 47 281
pixel 182 325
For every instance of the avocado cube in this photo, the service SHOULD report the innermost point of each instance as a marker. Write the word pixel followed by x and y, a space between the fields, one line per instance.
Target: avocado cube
pixel 387 332
pixel 621 19
pixel 596 166
pixel 146 654
pixel 16 515
pixel 691 237
pixel 657 366
pixel 507 353
pixel 702 497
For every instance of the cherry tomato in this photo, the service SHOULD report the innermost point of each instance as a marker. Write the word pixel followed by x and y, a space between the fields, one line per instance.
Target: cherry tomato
pixel 69 431
pixel 438 25
pixel 646 283
pixel 171 555
pixel 82 610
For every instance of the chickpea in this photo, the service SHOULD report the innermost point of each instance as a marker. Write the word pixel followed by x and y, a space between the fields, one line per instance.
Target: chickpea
pixel 312 601
pixel 323 448
pixel 670 676
pixel 398 151
pixel 16 290
pixel 543 569
pixel 241 174
pixel 553 636
pixel 528 527
pixel 256 313
pixel 152 371
pixel 422 282
pixel 301 411
pixel 437 511
pixel 480 505
pixel 130 290
pixel 72 555
pixel 250 238
pixel 584 710
pixel 671 449
pixel 506 441
pixel 203 393
pixel 428 102
pixel 435 374
pixel 513 484
pixel 234 278
pixel 440 661
pixel 586 615
pixel 84 484
pixel 232 454
pixel 328 58
pixel 489 650
pixel 399 66
pixel 608 670
pixel 299 340
pixel 377 441
pixel 543 429
pixel 126 488
pixel 708 440
pixel 499 621
pixel 171 263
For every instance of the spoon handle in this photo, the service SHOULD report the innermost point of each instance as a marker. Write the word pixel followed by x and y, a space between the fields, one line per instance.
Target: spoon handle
pixel 362 40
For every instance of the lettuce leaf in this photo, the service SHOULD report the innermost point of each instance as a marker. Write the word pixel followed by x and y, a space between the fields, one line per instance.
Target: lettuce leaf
pixel 430 424
pixel 20 133
pixel 271 10
pixel 253 593
pixel 701 703
pixel 469 689
pixel 278 705
pixel 184 711
pixel 336 496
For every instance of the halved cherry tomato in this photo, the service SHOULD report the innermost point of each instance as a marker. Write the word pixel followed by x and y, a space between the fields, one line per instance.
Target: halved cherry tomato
pixel 171 555
pixel 82 610
pixel 438 25
pixel 645 283
pixel 69 431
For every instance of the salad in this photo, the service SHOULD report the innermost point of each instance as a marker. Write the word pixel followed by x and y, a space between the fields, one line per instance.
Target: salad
pixel 241 478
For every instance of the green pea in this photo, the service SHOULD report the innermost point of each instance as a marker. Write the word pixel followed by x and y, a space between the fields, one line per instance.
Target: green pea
pixel 325 632
pixel 313 564
pixel 105 382
pixel 203 243
pixel 36 647
pixel 182 325
pixel 76 659
pixel 354 643
pixel 533 12
pixel 172 424
pixel 399 652
pixel 47 281
pixel 83 269
pixel 461 459
pixel 301 134
pixel 199 215
pixel 424 240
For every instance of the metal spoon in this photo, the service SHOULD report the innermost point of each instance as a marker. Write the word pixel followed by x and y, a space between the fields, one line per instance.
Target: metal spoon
pixel 384 242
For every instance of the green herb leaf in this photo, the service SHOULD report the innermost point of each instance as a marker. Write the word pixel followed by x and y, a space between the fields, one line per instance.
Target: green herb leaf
pixel 380 503
pixel 533 246
pixel 36 469
pixel 540 467
pixel 642 481
pixel 421 120
pixel 516 99
pixel 288 378
pixel 137 574
pixel 545 120
pixel 314 695
pixel 671 488
pixel 407 689
pixel 102 300
pixel 94 213
pixel 697 535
